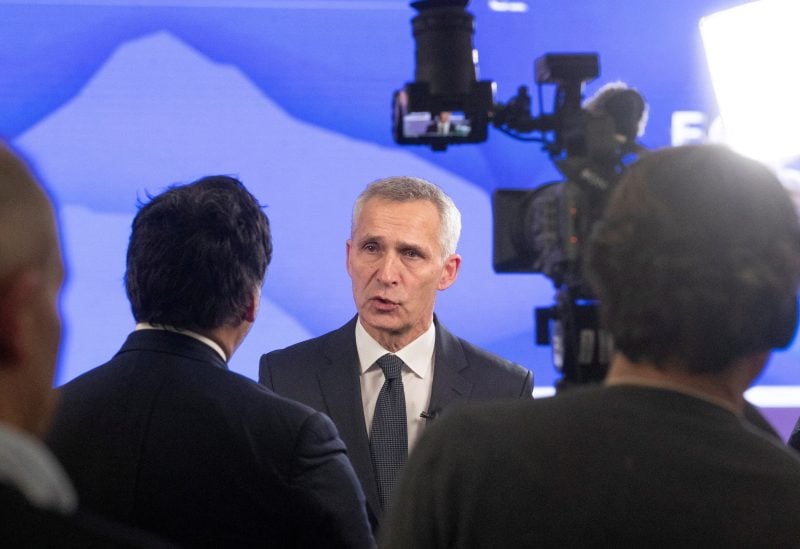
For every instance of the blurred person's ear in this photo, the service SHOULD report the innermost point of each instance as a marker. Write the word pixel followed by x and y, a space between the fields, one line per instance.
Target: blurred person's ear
pixel 18 316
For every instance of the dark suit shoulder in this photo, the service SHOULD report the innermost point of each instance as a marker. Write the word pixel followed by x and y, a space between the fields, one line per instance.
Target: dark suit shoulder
pixel 258 402
pixel 794 438
pixel 310 349
pixel 491 375
pixel 140 377
pixel 307 349
pixel 477 355
pixel 295 368
pixel 292 369
pixel 143 397
pixel 25 525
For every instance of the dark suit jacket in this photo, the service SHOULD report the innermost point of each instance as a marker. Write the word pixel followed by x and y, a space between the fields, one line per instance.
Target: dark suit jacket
pixel 794 437
pixel 324 374
pixel 22 524
pixel 165 438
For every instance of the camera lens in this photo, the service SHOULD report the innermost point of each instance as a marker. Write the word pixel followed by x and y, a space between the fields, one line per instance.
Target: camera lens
pixel 444 60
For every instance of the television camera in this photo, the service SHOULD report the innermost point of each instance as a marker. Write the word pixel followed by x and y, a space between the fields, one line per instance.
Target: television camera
pixel 541 230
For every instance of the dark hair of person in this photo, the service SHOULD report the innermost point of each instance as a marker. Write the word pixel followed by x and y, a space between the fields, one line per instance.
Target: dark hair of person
pixel 197 253
pixel 697 259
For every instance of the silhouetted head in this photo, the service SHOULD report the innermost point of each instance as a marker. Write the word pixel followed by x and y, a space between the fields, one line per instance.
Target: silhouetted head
pixel 197 254
pixel 697 259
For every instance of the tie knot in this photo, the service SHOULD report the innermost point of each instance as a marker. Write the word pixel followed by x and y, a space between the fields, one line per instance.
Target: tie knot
pixel 391 365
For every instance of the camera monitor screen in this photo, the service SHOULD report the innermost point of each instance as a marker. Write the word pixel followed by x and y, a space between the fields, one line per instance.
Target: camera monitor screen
pixel 444 123
pixel 435 127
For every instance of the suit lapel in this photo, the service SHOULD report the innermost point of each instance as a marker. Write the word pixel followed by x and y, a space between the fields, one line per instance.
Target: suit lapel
pixel 448 382
pixel 341 389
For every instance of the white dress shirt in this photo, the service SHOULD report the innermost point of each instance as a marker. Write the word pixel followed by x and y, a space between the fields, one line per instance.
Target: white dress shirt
pixel 417 377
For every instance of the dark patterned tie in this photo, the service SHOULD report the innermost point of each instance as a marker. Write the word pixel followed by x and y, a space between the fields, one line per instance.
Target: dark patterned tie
pixel 388 441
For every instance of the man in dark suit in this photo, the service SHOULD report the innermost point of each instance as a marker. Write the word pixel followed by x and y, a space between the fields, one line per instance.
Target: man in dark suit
pixel 401 252
pixel 38 503
pixel 441 125
pixel 696 263
pixel 164 436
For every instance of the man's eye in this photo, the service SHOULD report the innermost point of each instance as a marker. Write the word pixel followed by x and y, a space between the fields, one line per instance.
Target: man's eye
pixel 370 247
pixel 411 253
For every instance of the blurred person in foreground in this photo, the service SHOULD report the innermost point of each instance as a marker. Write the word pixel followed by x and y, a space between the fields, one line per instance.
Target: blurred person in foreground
pixel 164 436
pixel 696 263
pixel 38 503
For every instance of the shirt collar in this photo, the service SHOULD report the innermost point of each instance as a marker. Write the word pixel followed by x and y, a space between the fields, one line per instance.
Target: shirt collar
pixel 418 355
pixel 199 337
pixel 29 466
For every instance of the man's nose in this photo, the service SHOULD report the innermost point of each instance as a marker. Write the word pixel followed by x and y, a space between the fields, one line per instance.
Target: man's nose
pixel 388 270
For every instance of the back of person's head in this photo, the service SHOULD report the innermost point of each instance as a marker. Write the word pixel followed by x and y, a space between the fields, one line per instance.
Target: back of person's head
pixel 31 274
pixel 197 254
pixel 697 260
pixel 626 107
pixel 409 189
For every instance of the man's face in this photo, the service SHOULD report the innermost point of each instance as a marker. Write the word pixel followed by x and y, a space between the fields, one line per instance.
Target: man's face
pixel 394 259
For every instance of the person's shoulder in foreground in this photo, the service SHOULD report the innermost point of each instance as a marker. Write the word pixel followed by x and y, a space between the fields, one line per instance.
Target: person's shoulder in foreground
pixel 26 525
pixel 695 297
pixel 38 504
pixel 599 466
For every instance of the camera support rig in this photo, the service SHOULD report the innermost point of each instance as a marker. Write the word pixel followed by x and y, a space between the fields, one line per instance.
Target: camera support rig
pixel 535 231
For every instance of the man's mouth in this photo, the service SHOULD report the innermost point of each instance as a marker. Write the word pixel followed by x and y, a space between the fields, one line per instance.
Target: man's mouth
pixel 383 304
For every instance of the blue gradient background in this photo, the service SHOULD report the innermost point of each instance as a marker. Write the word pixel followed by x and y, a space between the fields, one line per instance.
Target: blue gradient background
pixel 112 100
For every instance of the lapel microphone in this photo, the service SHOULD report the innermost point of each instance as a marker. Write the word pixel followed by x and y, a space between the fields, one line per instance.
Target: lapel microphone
pixel 428 416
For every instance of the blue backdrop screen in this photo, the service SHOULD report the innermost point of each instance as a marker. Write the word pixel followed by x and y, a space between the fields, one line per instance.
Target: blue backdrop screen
pixel 113 100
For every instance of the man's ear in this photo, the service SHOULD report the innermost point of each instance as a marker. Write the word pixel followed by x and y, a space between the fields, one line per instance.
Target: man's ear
pixel 17 316
pixel 450 271
pixel 348 250
pixel 251 311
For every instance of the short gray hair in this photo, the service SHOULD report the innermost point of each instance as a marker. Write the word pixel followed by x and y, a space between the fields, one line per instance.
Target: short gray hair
pixel 407 189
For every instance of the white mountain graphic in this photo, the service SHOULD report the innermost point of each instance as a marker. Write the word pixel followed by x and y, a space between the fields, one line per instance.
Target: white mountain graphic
pixel 158 112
